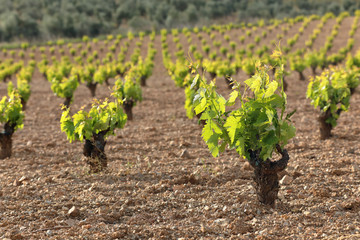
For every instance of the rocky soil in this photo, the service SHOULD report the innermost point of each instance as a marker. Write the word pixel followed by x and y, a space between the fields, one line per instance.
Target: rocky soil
pixel 162 182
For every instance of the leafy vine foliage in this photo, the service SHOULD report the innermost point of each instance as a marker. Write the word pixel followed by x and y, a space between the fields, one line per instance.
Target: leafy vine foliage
pixel 256 129
pixel 331 92
pixel 11 115
pixel 259 123
pixel 128 90
pixel 94 127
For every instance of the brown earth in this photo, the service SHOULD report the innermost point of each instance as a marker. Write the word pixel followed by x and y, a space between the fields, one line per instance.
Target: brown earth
pixel 162 182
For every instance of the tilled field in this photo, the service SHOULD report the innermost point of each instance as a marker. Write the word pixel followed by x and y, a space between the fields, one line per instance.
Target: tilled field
pixel 162 182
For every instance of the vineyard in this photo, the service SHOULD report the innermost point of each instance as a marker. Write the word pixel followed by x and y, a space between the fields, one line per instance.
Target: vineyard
pixel 244 131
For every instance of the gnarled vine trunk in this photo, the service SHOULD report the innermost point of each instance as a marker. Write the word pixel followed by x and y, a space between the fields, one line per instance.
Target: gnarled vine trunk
pixel 313 69
pixel 6 140
pixel 212 75
pixel 301 76
pixel 266 175
pixel 7 78
pixel 94 152
pixel 143 81
pixel 128 105
pixel 67 102
pixel 107 82
pixel 92 88
pixel 352 91
pixel 23 103
pixel 325 128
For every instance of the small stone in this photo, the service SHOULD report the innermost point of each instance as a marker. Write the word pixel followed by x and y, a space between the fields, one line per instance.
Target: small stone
pixel 87 226
pixel 307 213
pixel 74 212
pixel 185 154
pixel 286 180
pixel 282 174
pixel 150 129
pixel 49 232
pixel 247 166
pixel 221 221
pixel 23 178
pixel 185 144
pixel 29 143
pixel 337 172
pixel 17 183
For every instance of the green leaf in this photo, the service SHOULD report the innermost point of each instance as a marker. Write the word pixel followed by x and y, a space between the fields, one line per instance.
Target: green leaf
pixel 194 82
pixel 232 125
pixel 253 83
pixel 201 107
pixel 271 88
pixel 207 131
pixel 213 144
pixel 232 98
pixel 270 114
pixel 270 138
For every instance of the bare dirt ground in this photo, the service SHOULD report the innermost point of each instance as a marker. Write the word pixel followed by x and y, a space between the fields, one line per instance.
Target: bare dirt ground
pixel 162 182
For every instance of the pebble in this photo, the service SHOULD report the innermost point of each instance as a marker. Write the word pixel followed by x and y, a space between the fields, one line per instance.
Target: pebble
pixel 286 180
pixel 17 183
pixel 221 221
pixel 74 212
pixel 307 213
pixel 297 167
pixel 185 154
pixel 23 178
pixel 247 166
